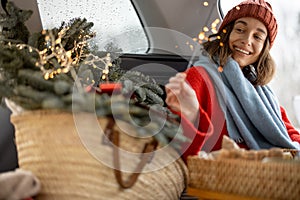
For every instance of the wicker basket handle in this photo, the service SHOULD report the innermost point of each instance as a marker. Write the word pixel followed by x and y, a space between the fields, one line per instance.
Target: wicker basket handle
pixel 146 156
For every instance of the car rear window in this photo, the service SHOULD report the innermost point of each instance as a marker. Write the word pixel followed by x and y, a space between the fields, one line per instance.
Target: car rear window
pixel 114 21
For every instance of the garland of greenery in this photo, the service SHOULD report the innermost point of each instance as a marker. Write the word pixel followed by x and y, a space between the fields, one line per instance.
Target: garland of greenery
pixel 52 69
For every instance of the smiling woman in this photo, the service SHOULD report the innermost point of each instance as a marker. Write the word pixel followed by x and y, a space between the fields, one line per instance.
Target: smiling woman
pixel 286 80
pixel 221 101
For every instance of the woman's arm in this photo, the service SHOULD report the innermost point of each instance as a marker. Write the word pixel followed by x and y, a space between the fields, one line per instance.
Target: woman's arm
pixel 209 117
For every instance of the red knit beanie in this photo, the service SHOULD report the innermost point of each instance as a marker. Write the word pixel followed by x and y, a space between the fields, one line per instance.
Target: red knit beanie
pixel 258 9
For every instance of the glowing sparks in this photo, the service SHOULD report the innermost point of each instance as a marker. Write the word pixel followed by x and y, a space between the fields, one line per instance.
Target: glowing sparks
pixel 203 35
pixel 220 69
pixel 191 47
pixel 214 31
pixel 214 26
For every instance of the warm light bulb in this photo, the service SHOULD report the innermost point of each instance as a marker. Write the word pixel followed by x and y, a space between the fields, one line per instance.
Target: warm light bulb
pixel 201 36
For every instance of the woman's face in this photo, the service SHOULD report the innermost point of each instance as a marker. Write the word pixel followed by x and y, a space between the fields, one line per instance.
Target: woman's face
pixel 246 40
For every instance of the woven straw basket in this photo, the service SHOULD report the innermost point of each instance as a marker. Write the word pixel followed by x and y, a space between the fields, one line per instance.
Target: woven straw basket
pixel 272 180
pixel 48 145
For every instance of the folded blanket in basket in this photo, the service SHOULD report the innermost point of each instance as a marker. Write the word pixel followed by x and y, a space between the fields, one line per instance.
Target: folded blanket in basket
pixel 18 184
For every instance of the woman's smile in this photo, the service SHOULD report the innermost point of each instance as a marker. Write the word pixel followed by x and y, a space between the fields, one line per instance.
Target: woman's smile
pixel 242 51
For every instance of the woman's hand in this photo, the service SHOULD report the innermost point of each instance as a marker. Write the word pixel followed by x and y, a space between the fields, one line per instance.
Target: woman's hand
pixel 181 97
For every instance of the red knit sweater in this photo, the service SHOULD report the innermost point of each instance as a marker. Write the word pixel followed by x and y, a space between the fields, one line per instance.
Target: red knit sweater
pixel 212 125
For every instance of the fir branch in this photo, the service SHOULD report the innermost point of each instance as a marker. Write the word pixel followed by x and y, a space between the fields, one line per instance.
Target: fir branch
pixel 140 94
pixel 77 29
pixel 62 87
pixel 53 103
pixel 10 58
pixel 4 92
pixel 13 25
pixel 35 79
pixel 26 103
pixel 137 77
pixel 127 87
pixel 154 88
pixel 30 93
pixel 153 98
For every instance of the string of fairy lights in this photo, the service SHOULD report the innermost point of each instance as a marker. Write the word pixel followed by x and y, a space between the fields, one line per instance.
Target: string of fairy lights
pixel 63 60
